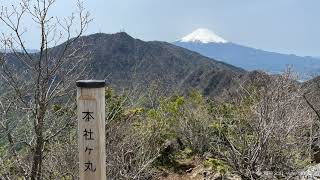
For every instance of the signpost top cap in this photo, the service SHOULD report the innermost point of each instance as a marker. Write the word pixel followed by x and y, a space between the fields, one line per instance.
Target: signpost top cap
pixel 91 83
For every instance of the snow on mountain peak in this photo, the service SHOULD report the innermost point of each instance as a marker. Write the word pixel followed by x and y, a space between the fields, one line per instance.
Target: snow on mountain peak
pixel 203 35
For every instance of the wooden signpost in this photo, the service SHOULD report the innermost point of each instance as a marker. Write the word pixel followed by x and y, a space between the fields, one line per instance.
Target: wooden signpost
pixel 91 129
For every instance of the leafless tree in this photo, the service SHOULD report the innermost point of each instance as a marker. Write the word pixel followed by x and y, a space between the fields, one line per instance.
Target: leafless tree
pixel 40 80
pixel 273 133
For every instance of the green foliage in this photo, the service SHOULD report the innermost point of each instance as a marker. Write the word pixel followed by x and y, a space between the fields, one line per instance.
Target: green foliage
pixel 226 129
pixel 217 165
pixel 186 153
pixel 196 98
pixel 114 105
pixel 6 166
pixel 300 161
pixel 174 161
pixel 166 162
pixel 161 122
pixel 232 121
pixel 60 110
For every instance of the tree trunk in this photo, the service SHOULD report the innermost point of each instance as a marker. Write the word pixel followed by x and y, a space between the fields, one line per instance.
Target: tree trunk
pixel 37 156
pixel 37 160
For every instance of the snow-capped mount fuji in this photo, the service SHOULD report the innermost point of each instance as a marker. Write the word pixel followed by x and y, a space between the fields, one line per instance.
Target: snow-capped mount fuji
pixel 203 35
pixel 211 45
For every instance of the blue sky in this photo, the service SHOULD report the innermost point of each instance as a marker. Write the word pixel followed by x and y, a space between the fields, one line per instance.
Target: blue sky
pixel 287 26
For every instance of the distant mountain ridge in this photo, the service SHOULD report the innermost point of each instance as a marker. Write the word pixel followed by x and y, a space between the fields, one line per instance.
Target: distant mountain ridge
pixel 251 58
pixel 125 61
pixel 28 50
